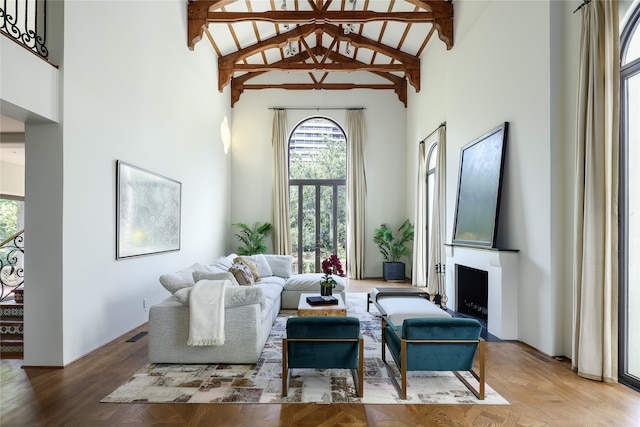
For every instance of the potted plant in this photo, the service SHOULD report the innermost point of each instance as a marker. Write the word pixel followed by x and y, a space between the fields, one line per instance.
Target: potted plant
pixel 330 266
pixel 252 238
pixel 393 248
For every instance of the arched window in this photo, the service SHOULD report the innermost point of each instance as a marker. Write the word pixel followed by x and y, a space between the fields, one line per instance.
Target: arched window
pixel 629 363
pixel 317 190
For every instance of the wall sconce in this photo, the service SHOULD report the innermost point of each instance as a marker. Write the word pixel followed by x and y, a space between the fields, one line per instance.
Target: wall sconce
pixel 225 134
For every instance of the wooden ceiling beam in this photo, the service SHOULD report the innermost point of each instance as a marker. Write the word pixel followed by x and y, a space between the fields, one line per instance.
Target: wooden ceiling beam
pixel 411 63
pixel 320 86
pixel 444 22
pixel 197 12
pixel 227 63
pixel 239 84
pixel 347 67
pixel 328 17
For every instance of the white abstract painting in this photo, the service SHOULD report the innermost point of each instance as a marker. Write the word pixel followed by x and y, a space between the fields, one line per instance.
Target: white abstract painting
pixel 148 212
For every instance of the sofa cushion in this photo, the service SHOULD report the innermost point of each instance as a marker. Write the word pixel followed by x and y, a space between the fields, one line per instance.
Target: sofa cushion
pixel 235 296
pixel 242 273
pixel 225 262
pixel 223 275
pixel 270 291
pixel 182 295
pixel 274 280
pixel 182 278
pixel 244 295
pixel 281 265
pixel 252 266
pixel 310 282
pixel 400 308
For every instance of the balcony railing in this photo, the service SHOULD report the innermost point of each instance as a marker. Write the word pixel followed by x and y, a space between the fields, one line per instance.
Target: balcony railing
pixel 25 21
pixel 11 264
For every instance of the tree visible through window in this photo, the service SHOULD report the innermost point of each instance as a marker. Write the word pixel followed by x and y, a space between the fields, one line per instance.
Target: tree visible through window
pixel 317 182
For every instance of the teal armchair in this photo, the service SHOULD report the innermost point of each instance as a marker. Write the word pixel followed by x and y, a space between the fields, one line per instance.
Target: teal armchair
pixel 323 342
pixel 435 344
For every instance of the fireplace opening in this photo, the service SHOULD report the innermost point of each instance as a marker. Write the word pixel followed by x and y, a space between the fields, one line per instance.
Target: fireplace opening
pixel 472 290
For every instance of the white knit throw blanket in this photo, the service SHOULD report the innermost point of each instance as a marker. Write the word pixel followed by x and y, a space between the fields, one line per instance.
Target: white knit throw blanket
pixel 206 306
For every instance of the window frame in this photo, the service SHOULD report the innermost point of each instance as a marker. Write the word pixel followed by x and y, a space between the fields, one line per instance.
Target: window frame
pixel 627 71
pixel 318 184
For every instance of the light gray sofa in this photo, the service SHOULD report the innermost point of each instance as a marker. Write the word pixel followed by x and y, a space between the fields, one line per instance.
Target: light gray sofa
pixel 249 310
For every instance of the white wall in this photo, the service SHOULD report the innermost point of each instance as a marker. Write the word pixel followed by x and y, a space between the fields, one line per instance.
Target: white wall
pixel 132 91
pixel 11 179
pixel 28 85
pixel 385 154
pixel 501 69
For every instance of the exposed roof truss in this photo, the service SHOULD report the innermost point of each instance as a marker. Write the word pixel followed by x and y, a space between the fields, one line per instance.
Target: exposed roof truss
pixel 322 39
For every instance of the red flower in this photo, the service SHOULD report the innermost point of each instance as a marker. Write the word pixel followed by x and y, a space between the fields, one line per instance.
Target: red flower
pixel 331 266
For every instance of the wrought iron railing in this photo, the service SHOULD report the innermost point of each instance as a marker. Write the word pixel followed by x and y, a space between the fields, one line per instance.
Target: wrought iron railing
pixel 26 22
pixel 11 264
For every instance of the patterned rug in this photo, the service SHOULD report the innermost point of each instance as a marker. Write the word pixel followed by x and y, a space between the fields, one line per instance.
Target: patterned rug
pixel 262 382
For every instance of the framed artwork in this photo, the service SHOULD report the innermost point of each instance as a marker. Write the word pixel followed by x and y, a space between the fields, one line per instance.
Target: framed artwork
pixel 479 185
pixel 147 212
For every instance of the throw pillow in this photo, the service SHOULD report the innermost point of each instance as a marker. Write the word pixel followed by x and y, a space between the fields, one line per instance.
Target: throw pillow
pixel 281 265
pixel 224 262
pixel 182 295
pixel 182 278
pixel 202 275
pixel 252 266
pixel 264 270
pixel 242 273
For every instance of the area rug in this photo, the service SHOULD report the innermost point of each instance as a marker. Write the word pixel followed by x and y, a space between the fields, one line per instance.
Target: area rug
pixel 262 382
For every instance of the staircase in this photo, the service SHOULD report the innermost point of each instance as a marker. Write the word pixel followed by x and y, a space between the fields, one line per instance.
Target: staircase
pixel 12 306
pixel 11 329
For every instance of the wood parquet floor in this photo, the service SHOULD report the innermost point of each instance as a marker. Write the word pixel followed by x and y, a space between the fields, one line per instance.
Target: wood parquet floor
pixel 542 391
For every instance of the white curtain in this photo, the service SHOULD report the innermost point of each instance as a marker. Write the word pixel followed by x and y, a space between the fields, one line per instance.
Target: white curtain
pixel 437 257
pixel 595 328
pixel 356 193
pixel 280 206
pixel 419 265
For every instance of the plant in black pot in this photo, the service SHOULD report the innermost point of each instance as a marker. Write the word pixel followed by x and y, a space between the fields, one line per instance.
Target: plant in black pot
pixel 252 237
pixel 393 249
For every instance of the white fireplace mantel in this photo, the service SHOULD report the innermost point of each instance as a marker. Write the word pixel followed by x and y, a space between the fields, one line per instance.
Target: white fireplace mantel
pixel 502 269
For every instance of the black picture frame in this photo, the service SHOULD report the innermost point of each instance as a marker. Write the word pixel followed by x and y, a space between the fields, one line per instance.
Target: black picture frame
pixel 147 212
pixel 479 189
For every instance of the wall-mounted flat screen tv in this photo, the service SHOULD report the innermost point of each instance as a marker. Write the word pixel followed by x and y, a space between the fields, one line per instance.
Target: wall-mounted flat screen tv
pixel 479 186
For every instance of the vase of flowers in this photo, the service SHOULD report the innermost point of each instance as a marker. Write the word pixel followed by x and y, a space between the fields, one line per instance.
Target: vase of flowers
pixel 330 266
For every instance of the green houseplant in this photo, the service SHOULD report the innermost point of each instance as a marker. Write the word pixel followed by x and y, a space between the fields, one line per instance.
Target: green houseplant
pixel 252 237
pixel 393 248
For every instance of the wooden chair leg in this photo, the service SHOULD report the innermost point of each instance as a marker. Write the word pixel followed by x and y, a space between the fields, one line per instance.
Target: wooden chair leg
pixel 403 369
pixel 384 341
pixel 480 356
pixel 361 367
pixel 285 369
pixel 481 363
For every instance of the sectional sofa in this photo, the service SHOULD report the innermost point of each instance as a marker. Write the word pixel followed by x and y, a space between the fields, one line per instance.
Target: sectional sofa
pixel 249 310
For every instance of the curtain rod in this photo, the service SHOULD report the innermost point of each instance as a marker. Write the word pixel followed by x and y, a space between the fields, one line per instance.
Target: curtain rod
pixel 443 124
pixel 317 108
pixel 584 3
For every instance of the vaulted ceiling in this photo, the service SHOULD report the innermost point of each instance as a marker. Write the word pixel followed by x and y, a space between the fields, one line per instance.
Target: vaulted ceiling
pixel 319 44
